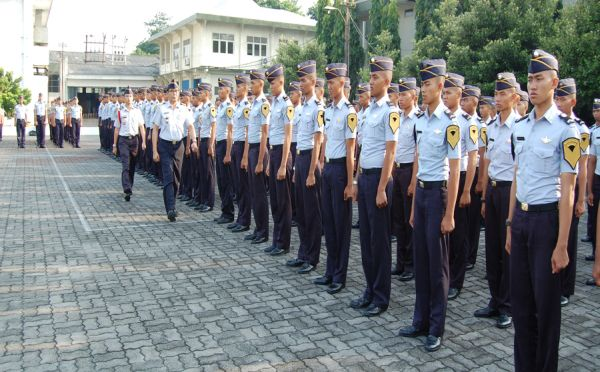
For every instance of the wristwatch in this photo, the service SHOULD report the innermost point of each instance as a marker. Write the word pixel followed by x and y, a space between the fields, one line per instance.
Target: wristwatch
pixel 508 223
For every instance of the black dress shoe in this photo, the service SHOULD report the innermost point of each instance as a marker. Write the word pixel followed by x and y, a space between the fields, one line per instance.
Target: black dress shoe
pixel 279 251
pixel 335 288
pixel 294 223
pixel 586 239
pixel 393 239
pixel 323 280
pixel 411 331
pixel 199 207
pixel 453 293
pixel 374 310
pixel 591 282
pixel 260 240
pixel 232 226
pixel 433 343
pixel 564 301
pixel 356 225
pixel 172 216
pixel 225 220
pixel 406 276
pixel 360 303
pixel 269 249
pixel 306 268
pixel 504 321
pixel 294 262
pixel 590 258
pixel 206 209
pixel 396 270
pixel 250 237
pixel 240 228
pixel 486 312
pixel 469 267
pixel 127 195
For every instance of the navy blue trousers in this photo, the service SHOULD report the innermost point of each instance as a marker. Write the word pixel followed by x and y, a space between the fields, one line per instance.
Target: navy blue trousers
pixel 401 206
pixel 20 132
pixel 497 260
pixel 258 192
pixel 224 181
pixel 280 198
pixel 241 186
pixel 337 221
pixel 375 232
pixel 40 130
pixel 128 148
pixel 474 222
pixel 430 260
pixel 535 291
pixel 206 176
pixel 569 273
pixel 308 210
pixel 459 245
pixel 171 157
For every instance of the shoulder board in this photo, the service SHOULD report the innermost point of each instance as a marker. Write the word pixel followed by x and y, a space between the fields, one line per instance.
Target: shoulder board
pixel 449 114
pixel 521 118
pixel 579 121
pixel 348 104
pixel 391 104
pixel 318 102
pixel 285 98
pixel 566 119
pixel 419 113
pixel 466 116
pixel 263 99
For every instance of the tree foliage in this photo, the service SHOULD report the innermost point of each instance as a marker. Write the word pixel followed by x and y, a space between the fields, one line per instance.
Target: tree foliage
pixel 290 54
pixel 10 90
pixel 426 15
pixel 158 23
pixel 384 17
pixel 289 5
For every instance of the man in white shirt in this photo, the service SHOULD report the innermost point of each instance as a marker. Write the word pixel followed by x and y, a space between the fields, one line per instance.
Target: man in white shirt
pixel 1 122
pixel 40 116
pixel 21 121
pixel 128 127
pixel 59 119
pixel 76 118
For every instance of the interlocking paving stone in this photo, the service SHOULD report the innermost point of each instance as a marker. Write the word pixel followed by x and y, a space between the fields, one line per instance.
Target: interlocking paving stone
pixel 90 282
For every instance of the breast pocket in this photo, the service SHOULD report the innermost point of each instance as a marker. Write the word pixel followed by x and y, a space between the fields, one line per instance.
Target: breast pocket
pixel 542 159
pixel 436 140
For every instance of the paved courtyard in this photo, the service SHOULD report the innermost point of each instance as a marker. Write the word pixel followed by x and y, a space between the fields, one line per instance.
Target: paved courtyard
pixel 89 282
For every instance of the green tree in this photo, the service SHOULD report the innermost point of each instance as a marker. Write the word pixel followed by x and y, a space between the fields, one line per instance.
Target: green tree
pixel 158 23
pixel 289 5
pixel 478 45
pixel 384 17
pixel 290 54
pixel 10 90
pixel 575 43
pixel 383 45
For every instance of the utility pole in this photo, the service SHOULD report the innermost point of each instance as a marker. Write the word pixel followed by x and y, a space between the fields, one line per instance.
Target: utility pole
pixel 347 34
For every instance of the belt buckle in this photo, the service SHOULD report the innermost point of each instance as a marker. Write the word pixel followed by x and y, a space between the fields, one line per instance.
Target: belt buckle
pixel 297 152
pixel 174 142
pixel 494 183
pixel 397 164
pixel 271 147
pixel 326 160
pixel 421 184
pixel 524 207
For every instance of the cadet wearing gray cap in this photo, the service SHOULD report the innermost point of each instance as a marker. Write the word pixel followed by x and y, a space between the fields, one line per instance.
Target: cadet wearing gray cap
pixel 547 150
pixel 170 118
pixel 206 168
pixel 224 138
pixel 374 190
pixel 280 164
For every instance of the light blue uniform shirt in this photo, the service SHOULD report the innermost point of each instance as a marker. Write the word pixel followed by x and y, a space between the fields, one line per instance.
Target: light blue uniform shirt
pixel 311 122
pixel 241 114
pixel 172 121
pixel 59 112
pixel 260 114
pixel 207 118
pixel 595 146
pixel 378 129
pixel 341 124
pixel 295 122
pixel 434 143
pixel 584 133
pixel 540 155
pixel 469 136
pixel 224 118
pixel 361 121
pixel 499 149
pixel 282 114
pixel 405 150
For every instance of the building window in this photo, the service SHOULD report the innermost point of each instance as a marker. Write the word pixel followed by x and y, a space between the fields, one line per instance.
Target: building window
pixel 257 46
pixel 168 53
pixel 187 47
pixel 176 55
pixel 54 83
pixel 223 43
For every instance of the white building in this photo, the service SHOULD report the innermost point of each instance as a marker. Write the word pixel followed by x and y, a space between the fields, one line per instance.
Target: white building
pixel 225 37
pixel 25 42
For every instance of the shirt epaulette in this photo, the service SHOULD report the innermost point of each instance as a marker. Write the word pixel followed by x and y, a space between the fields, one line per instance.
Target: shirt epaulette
pixel 466 116
pixel 521 118
pixel 263 99
pixel 567 119
pixel 285 98
pixel 391 104
pixel 348 104
pixel 419 114
pixel 449 114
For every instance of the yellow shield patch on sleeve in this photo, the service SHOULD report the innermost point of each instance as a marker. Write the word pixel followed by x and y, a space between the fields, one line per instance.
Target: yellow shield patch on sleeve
pixel 585 141
pixel 453 135
pixel 265 109
pixel 229 112
pixel 571 151
pixel 394 121
pixel 352 121
pixel 246 113
pixel 321 118
pixel 484 135
pixel 290 113
pixel 213 112
pixel 473 133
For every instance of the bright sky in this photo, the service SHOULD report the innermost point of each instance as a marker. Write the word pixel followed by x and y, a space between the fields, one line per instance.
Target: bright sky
pixel 71 20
